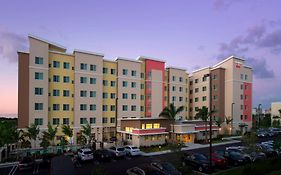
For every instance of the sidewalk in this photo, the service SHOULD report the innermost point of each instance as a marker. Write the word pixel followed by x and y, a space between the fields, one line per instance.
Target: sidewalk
pixel 190 147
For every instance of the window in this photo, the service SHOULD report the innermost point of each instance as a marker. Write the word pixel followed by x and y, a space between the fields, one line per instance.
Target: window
pixel 241 97
pixel 241 117
pixel 38 121
pixel 124 95
pixel 65 121
pixel 215 77
pixel 38 75
pixel 156 125
pixel 83 107
pixel 66 79
pixel 93 93
pixel 83 66
pixel 142 75
pixel 104 95
pixel 38 60
pixel 246 77
pixel 125 84
pixel 241 76
pixel 104 107
pixel 112 83
pixel 56 121
pixel 190 83
pixel 133 84
pixel 125 107
pixel 215 87
pixel 38 106
pixel 174 98
pixel 93 80
pixel 56 78
pixel 174 78
pixel 180 79
pixel 83 79
pixel 134 73
pixel 190 91
pixel 133 108
pixel 142 108
pixel 196 90
pixel 148 84
pixel 93 67
pixel 196 99
pixel 215 97
pixel 148 126
pixel 180 98
pixel 142 97
pixel 174 88
pixel 93 107
pixel 105 82
pixel 149 75
pixel 104 120
pixel 66 107
pixel 241 107
pixel 83 121
pixel 83 93
pixel 92 120
pixel 204 88
pixel 246 117
pixel 180 89
pixel 133 96
pixel 104 70
pixel 190 100
pixel 66 65
pixel 125 71
pixel 196 80
pixel 112 120
pixel 204 79
pixel 112 108
pixel 66 93
pixel 56 64
pixel 112 95
pixel 204 98
pixel 56 107
pixel 241 86
pixel 38 91
pixel 112 71
pixel 56 92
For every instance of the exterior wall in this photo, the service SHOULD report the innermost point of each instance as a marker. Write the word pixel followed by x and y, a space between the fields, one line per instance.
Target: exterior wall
pixel 89 59
pixel 174 89
pixel 166 88
pixel 143 90
pixel 23 90
pixel 61 86
pixel 152 140
pixel 38 49
pixel 275 107
pixel 137 123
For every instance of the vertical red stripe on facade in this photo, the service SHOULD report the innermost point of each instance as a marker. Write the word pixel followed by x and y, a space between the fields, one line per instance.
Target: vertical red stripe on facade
pixel 149 66
pixel 247 92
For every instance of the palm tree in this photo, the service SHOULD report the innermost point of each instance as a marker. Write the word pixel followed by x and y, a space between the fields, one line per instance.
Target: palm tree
pixel 228 121
pixel 170 112
pixel 279 112
pixel 32 132
pixel 50 134
pixel 67 130
pixel 218 121
pixel 87 132
pixel 202 114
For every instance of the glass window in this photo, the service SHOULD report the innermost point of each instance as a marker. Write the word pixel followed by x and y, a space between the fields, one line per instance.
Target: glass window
pixel 83 107
pixel 93 107
pixel 204 88
pixel 38 60
pixel 105 70
pixel 196 90
pixel 56 107
pixel 93 120
pixel 112 108
pixel 112 83
pixel 38 75
pixel 56 64
pixel 133 84
pixel 104 120
pixel 112 71
pixel 105 82
pixel 56 121
pixel 38 121
pixel 93 93
pixel 83 93
pixel 104 107
pixel 112 120
pixel 38 91
pixel 174 78
pixel 124 95
pixel 93 80
pixel 148 126
pixel 142 108
pixel 83 66
pixel 125 71
pixel 142 97
pixel 180 89
pixel 66 65
pixel 56 92
pixel 134 73
pixel 196 99
pixel 204 79
pixel 65 121
pixel 93 67
pixel 180 79
pixel 125 84
pixel 204 98
pixel 133 108
pixel 112 95
pixel 38 106
pixel 241 76
pixel 174 88
pixel 180 98
pixel 104 95
pixel 66 107
pixel 66 79
pixel 142 86
pixel 83 79
pixel 66 93
pixel 124 107
pixel 174 98
pixel 133 96
pixel 196 80
pixel 56 78
pixel 83 121
pixel 156 125
pixel 142 75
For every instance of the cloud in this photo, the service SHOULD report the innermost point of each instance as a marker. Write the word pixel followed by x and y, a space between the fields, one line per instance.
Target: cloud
pixel 260 68
pixel 10 43
pixel 272 41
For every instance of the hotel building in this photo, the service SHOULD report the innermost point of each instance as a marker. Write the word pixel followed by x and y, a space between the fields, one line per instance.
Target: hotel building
pixel 82 87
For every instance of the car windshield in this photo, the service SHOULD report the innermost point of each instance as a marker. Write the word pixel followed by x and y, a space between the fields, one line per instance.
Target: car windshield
pixel 200 157
pixel 87 152
pixel 168 167
pixel 120 149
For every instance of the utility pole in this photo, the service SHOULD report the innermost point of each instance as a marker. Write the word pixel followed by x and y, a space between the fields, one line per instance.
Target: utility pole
pixel 232 106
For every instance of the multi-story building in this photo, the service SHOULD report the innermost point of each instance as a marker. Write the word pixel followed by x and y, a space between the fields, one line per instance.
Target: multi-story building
pixel 82 87
pixel 275 111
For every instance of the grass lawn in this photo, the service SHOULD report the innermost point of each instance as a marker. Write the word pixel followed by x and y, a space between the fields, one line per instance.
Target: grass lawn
pixel 275 172
pixel 159 148
pixel 233 171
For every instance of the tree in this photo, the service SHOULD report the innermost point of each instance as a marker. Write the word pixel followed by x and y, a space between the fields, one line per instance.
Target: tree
pixel 67 130
pixel 81 139
pixel 279 112
pixel 45 143
pixel 228 121
pixel 50 134
pixel 8 132
pixel 87 132
pixel 204 114
pixel 32 132
pixel 218 121
pixel 170 112
pixel 250 139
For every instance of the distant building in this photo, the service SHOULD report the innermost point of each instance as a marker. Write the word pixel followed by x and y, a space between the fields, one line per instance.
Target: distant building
pixel 276 111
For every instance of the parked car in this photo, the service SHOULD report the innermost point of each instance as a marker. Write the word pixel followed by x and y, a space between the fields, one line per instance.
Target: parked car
pixel 26 163
pixel 239 150
pixel 166 168
pixel 197 161
pixel 249 153
pixel 219 161
pixel 85 154
pixel 268 150
pixel 132 150
pixel 144 169
pixel 103 155
pixel 118 151
pixel 233 158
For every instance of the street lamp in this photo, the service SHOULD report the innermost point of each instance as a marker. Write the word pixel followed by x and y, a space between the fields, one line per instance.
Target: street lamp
pixel 116 113
pixel 259 111
pixel 232 106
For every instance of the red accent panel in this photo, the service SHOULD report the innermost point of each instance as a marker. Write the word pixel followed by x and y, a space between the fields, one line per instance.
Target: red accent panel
pixel 248 102
pixel 149 66
pixel 204 128
pixel 148 131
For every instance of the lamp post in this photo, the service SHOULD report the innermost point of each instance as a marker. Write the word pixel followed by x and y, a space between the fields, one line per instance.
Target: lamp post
pixel 116 113
pixel 232 106
pixel 259 111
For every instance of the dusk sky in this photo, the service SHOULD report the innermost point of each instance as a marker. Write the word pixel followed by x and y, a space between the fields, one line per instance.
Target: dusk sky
pixel 185 33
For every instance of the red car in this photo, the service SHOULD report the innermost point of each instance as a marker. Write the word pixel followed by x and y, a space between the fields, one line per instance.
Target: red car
pixel 219 160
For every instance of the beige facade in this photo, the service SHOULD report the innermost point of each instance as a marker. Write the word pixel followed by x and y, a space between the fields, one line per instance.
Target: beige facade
pixel 275 111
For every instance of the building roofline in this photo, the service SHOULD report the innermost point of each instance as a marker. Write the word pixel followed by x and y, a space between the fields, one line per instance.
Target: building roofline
pixel 146 118
pixel 150 58
pixel 228 58
pixel 47 41
pixel 108 60
pixel 178 68
pixel 62 53
pixel 208 67
pixel 127 59
pixel 22 51
pixel 88 52
pixel 248 67
pixel 214 68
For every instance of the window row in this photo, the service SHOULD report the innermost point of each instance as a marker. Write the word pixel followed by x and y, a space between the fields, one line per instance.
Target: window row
pixel 84 66
pixel 133 108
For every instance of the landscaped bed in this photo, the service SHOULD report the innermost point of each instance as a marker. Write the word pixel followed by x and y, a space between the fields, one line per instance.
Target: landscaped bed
pixel 164 147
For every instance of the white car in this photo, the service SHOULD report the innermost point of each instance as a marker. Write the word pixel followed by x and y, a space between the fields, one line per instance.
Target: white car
pixel 118 151
pixel 132 150
pixel 85 154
